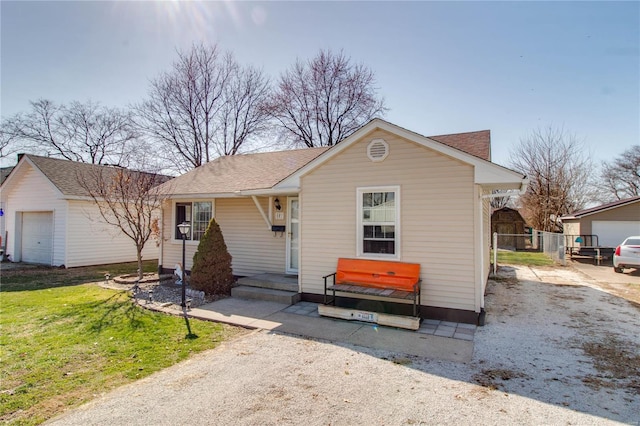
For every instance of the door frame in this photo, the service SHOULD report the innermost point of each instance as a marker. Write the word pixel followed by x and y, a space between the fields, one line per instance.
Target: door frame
pixel 288 268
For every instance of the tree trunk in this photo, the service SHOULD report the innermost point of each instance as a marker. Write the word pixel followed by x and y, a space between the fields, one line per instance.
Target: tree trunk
pixel 140 271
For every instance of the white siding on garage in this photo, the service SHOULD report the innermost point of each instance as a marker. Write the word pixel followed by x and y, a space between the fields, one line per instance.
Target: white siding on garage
pixel 90 241
pixel 437 216
pixel 34 193
pixel 253 247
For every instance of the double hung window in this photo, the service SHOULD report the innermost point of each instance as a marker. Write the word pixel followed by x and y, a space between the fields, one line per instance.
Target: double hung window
pixel 378 222
pixel 198 214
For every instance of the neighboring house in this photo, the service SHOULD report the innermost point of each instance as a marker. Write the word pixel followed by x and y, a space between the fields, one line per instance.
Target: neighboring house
pixel 51 220
pixel 611 222
pixel 382 193
pixel 4 173
pixel 510 226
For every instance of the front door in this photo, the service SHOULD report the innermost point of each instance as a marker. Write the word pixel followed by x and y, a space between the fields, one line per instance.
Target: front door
pixel 293 235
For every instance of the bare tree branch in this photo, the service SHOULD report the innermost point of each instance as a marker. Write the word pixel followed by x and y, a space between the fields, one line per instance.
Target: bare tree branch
pixel 320 102
pixel 85 132
pixel 205 106
pixel 560 175
pixel 501 202
pixel 621 177
pixel 127 200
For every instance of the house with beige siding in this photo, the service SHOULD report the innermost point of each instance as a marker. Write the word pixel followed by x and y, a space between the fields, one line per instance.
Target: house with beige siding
pixel 382 193
pixel 606 225
pixel 50 218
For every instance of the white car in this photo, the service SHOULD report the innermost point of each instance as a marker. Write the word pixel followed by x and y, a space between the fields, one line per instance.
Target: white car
pixel 627 255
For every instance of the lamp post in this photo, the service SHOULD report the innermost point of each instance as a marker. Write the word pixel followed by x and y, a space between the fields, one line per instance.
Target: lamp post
pixel 184 230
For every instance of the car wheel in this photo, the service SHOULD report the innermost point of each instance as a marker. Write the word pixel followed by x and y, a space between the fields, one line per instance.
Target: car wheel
pixel 618 270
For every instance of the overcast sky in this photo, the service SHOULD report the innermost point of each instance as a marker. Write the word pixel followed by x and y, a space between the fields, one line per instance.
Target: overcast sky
pixel 443 67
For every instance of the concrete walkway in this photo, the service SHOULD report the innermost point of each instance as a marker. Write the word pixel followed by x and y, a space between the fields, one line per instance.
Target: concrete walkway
pixel 435 339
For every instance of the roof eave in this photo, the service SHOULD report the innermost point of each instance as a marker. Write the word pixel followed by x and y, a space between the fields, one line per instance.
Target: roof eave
pixel 592 212
pixel 26 160
pixel 271 191
pixel 485 172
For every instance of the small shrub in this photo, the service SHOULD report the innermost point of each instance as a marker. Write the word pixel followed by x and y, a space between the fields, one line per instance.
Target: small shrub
pixel 211 270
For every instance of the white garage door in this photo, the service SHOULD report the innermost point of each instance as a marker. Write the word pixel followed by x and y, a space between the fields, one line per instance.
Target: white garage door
pixel 612 233
pixel 37 237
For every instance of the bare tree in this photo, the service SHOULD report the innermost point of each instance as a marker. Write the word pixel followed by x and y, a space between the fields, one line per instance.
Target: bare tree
pixel 501 202
pixel 559 171
pixel 206 106
pixel 243 114
pixel 85 132
pixel 621 177
pixel 128 200
pixel 8 145
pixel 320 102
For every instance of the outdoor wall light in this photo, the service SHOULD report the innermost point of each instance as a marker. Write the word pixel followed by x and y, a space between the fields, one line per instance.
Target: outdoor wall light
pixel 276 203
pixel 184 230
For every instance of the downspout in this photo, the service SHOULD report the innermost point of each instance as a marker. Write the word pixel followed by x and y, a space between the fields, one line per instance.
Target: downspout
pixel 479 302
pixel 261 210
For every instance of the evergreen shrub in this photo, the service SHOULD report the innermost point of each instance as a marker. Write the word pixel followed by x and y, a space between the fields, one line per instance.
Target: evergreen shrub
pixel 211 271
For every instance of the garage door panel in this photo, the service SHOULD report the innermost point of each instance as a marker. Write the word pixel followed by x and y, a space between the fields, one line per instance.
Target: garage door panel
pixel 37 237
pixel 611 233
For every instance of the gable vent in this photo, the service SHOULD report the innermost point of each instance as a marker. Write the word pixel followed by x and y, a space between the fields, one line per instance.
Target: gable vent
pixel 377 150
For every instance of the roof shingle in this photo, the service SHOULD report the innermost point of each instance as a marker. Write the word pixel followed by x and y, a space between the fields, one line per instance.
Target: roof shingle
pixel 65 174
pixel 474 143
pixel 243 172
pixel 246 172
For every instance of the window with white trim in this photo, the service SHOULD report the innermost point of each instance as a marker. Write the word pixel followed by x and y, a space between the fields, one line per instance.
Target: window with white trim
pixel 198 214
pixel 379 221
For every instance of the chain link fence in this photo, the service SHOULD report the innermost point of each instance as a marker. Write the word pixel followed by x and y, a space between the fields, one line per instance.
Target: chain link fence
pixel 553 246
pixel 550 243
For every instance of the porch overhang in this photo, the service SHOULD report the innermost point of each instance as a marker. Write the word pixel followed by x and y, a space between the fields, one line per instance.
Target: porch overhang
pixel 270 192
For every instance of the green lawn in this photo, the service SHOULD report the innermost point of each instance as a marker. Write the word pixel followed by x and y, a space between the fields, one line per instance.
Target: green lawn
pixel 523 258
pixel 61 345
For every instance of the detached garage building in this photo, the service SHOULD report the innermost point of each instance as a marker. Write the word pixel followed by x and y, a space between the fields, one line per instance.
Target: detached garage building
pixel 50 218
pixel 612 222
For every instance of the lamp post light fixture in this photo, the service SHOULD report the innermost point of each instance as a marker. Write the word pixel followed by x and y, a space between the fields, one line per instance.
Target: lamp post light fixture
pixel 184 228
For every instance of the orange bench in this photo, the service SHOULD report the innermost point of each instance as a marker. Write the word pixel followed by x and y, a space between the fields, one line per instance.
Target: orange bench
pixel 396 280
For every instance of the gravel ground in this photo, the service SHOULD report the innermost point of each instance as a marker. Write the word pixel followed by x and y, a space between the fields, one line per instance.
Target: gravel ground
pixel 555 349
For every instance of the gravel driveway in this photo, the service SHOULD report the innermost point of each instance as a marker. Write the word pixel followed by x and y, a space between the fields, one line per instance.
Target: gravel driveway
pixel 555 349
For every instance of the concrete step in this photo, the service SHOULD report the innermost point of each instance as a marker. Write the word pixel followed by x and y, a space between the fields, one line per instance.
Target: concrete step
pixel 272 281
pixel 267 294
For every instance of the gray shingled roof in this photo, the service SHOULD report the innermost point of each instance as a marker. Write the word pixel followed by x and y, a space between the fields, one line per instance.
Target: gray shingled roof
pixel 243 172
pixel 65 174
pixel 4 173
